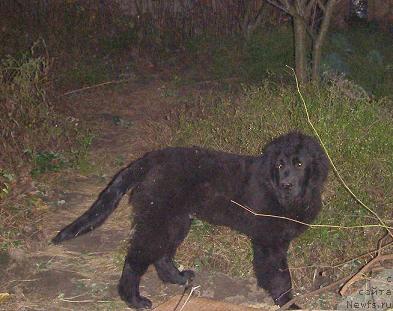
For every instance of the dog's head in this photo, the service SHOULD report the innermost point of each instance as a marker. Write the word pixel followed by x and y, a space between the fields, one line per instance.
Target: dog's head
pixel 297 166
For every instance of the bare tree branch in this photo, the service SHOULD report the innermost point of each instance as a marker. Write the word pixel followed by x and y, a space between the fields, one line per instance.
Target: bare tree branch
pixel 287 4
pixel 315 292
pixel 246 19
pixel 283 5
pixel 321 5
pixel 311 19
pixel 259 13
pixel 257 20
pixel 309 7
pixel 317 48
pixel 360 274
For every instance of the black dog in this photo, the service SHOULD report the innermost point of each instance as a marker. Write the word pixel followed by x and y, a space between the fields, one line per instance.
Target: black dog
pixel 170 186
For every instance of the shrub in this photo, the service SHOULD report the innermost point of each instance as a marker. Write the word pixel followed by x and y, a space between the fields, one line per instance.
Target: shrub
pixel 356 130
pixel 29 125
pixel 35 139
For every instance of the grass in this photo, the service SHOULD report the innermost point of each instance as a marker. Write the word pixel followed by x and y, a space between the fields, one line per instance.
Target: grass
pixel 366 54
pixel 84 73
pixel 356 129
pixel 267 52
pixel 263 55
pixel 357 133
pixel 33 131
pixel 36 139
pixel 362 53
pixel 84 40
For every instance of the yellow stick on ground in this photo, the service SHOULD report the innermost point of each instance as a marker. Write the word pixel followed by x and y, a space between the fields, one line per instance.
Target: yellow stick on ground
pixel 4 297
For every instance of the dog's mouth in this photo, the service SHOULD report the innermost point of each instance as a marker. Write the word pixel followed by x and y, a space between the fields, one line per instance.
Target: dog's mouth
pixel 289 197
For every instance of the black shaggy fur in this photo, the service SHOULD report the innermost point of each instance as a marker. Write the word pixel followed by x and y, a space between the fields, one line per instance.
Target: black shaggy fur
pixel 172 185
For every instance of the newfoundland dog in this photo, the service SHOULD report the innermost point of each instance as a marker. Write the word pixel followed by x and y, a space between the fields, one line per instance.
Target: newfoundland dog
pixel 173 185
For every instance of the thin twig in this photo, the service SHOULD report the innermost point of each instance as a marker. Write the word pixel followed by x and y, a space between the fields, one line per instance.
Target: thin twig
pixel 331 161
pixel 94 86
pixel 315 292
pixel 181 297
pixel 358 276
pixel 282 5
pixel 345 262
pixel 307 224
pixel 380 242
pixel 84 301
pixel 321 5
pixel 365 268
pixel 189 296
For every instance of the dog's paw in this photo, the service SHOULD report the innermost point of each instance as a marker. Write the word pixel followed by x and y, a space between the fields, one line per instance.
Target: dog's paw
pixel 294 306
pixel 140 303
pixel 188 274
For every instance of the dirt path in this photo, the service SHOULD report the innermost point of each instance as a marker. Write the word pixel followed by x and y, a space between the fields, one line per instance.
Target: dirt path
pixel 82 274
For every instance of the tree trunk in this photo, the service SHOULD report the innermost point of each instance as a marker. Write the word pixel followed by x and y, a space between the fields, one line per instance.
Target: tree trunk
pixel 381 11
pixel 317 55
pixel 342 14
pixel 300 35
pixel 317 46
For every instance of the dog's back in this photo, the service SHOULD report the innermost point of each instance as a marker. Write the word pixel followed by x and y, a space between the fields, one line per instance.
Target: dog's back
pixel 192 181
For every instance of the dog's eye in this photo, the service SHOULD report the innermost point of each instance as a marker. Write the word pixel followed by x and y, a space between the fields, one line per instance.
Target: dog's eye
pixel 280 166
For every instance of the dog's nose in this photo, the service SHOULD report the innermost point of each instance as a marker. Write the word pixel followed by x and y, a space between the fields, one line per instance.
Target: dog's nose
pixel 286 185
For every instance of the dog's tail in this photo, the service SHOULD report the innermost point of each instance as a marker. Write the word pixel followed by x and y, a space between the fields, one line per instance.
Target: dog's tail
pixel 106 203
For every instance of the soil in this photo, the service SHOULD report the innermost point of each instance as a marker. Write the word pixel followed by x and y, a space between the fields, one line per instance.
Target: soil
pixel 82 274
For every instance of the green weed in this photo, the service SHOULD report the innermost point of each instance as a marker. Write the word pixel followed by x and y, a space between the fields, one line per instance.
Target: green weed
pixel 213 248
pixel 364 53
pixel 119 161
pixel 35 138
pixel 267 53
pixel 44 162
pixel 6 178
pixel 357 133
pixel 32 130
pixel 84 72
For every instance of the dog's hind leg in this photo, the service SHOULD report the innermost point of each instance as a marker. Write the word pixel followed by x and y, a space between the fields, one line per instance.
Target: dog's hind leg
pixel 145 248
pixel 166 269
pixel 128 287
pixel 154 241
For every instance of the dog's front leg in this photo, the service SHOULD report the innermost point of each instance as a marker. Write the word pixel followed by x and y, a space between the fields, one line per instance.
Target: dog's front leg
pixel 271 270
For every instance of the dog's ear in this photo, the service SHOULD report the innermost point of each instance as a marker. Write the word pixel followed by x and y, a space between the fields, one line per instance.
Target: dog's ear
pixel 271 151
pixel 319 165
pixel 271 147
pixel 283 142
pixel 270 155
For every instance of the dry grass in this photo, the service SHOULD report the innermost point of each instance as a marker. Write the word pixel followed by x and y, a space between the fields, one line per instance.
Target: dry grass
pixel 356 132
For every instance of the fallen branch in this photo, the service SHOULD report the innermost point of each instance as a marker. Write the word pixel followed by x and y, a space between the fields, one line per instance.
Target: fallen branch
pixel 307 224
pixel 345 262
pixel 348 280
pixel 315 292
pixel 366 268
pixel 381 244
pixel 358 276
pixel 94 86
pixel 189 296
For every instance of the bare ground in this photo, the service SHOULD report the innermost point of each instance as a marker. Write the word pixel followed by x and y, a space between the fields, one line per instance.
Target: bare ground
pixel 82 274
